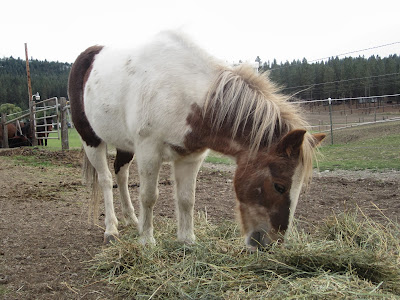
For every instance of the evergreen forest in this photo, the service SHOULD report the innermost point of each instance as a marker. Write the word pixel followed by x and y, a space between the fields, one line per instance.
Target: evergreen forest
pixel 50 79
pixel 335 78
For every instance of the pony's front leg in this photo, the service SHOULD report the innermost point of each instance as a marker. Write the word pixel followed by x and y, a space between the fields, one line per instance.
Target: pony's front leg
pixel 148 172
pixel 185 172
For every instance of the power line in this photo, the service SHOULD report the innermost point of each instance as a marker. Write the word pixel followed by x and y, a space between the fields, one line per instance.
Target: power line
pixel 356 51
pixel 339 81
pixel 338 55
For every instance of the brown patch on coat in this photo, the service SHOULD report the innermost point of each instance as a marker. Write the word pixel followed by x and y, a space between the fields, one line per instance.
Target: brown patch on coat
pixel 183 151
pixel 265 182
pixel 204 136
pixel 254 184
pixel 121 159
pixel 78 77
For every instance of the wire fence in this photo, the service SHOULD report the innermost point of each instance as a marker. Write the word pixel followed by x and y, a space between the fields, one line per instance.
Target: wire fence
pixel 329 115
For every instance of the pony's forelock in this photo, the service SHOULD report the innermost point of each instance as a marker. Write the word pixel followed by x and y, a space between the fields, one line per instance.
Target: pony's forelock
pixel 237 97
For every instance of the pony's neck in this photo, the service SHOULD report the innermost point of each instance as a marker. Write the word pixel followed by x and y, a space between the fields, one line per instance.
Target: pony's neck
pixel 226 145
pixel 220 140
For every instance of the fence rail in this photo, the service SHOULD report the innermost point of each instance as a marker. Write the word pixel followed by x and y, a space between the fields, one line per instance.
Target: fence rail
pixel 325 115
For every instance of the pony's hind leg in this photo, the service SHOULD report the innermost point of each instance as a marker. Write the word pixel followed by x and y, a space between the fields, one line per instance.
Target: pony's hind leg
pixel 185 173
pixel 121 167
pixel 98 158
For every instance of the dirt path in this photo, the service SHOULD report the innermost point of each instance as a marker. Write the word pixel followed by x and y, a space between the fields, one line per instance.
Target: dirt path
pixel 46 241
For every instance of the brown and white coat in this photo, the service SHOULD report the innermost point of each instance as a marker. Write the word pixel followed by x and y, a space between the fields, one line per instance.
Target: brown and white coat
pixel 170 101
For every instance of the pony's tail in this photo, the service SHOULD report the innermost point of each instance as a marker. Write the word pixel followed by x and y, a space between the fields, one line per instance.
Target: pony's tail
pixel 90 178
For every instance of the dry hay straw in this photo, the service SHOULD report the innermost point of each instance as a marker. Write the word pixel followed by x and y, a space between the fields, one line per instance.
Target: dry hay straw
pixel 348 256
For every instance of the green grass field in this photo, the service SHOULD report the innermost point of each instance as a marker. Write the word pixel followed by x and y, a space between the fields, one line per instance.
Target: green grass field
pixel 381 153
pixel 73 140
pixel 374 147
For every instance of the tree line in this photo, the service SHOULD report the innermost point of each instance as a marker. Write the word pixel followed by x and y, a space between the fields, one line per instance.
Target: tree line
pixel 334 78
pixel 50 79
pixel 337 78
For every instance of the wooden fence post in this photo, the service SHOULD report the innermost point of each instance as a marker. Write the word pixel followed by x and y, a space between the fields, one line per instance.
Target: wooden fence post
pixel 5 130
pixel 32 109
pixel 64 126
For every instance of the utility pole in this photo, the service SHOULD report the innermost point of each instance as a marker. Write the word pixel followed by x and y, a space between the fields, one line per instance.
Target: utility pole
pixel 28 73
pixel 31 104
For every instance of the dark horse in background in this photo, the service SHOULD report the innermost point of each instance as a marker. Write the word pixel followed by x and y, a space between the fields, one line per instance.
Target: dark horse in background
pixel 18 137
pixel 11 129
pixel 43 127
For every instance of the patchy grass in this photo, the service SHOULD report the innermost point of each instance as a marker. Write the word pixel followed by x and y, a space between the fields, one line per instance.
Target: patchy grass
pixel 349 256
pixel 31 161
pixel 217 158
pixel 3 291
pixel 42 157
pixel 375 147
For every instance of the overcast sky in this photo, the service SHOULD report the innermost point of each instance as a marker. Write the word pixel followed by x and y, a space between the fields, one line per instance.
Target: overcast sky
pixel 231 30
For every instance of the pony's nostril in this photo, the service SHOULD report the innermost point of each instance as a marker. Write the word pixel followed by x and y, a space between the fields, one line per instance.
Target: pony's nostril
pixel 255 239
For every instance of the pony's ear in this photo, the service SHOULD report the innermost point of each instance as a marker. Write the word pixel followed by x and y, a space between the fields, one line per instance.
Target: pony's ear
pixel 291 143
pixel 318 137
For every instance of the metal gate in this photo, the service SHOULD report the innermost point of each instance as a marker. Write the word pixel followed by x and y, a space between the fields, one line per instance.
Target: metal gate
pixel 46 119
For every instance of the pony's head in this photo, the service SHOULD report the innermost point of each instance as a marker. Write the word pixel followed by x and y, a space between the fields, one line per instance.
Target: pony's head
pixel 268 186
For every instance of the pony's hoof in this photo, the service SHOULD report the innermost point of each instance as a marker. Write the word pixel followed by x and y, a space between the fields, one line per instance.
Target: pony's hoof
pixel 110 238
pixel 147 240
pixel 188 242
pixel 189 239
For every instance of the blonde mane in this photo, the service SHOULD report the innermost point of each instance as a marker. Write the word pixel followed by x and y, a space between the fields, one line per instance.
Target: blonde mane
pixel 241 97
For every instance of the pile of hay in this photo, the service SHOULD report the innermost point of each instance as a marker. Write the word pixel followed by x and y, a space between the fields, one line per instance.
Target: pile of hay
pixel 349 255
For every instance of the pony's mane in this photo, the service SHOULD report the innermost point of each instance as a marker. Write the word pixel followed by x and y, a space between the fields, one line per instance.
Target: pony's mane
pixel 240 97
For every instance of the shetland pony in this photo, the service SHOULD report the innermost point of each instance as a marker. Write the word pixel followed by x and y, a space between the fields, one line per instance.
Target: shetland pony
pixel 170 101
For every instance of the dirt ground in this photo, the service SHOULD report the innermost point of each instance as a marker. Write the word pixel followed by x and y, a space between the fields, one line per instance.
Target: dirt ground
pixel 46 241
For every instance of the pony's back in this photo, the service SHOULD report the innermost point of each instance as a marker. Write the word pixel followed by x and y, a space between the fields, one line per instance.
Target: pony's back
pixel 139 89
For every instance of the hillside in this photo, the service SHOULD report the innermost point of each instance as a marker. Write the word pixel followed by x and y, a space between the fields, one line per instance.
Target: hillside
pixel 50 79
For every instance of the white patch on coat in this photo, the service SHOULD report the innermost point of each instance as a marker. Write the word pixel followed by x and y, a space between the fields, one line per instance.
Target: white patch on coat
pixel 297 183
pixel 125 107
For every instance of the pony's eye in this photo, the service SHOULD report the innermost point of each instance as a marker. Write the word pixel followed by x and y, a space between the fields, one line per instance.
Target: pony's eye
pixel 279 188
pixel 258 191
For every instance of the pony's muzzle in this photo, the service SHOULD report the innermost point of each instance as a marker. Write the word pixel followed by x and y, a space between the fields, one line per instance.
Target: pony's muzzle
pixel 261 239
pixel 258 239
